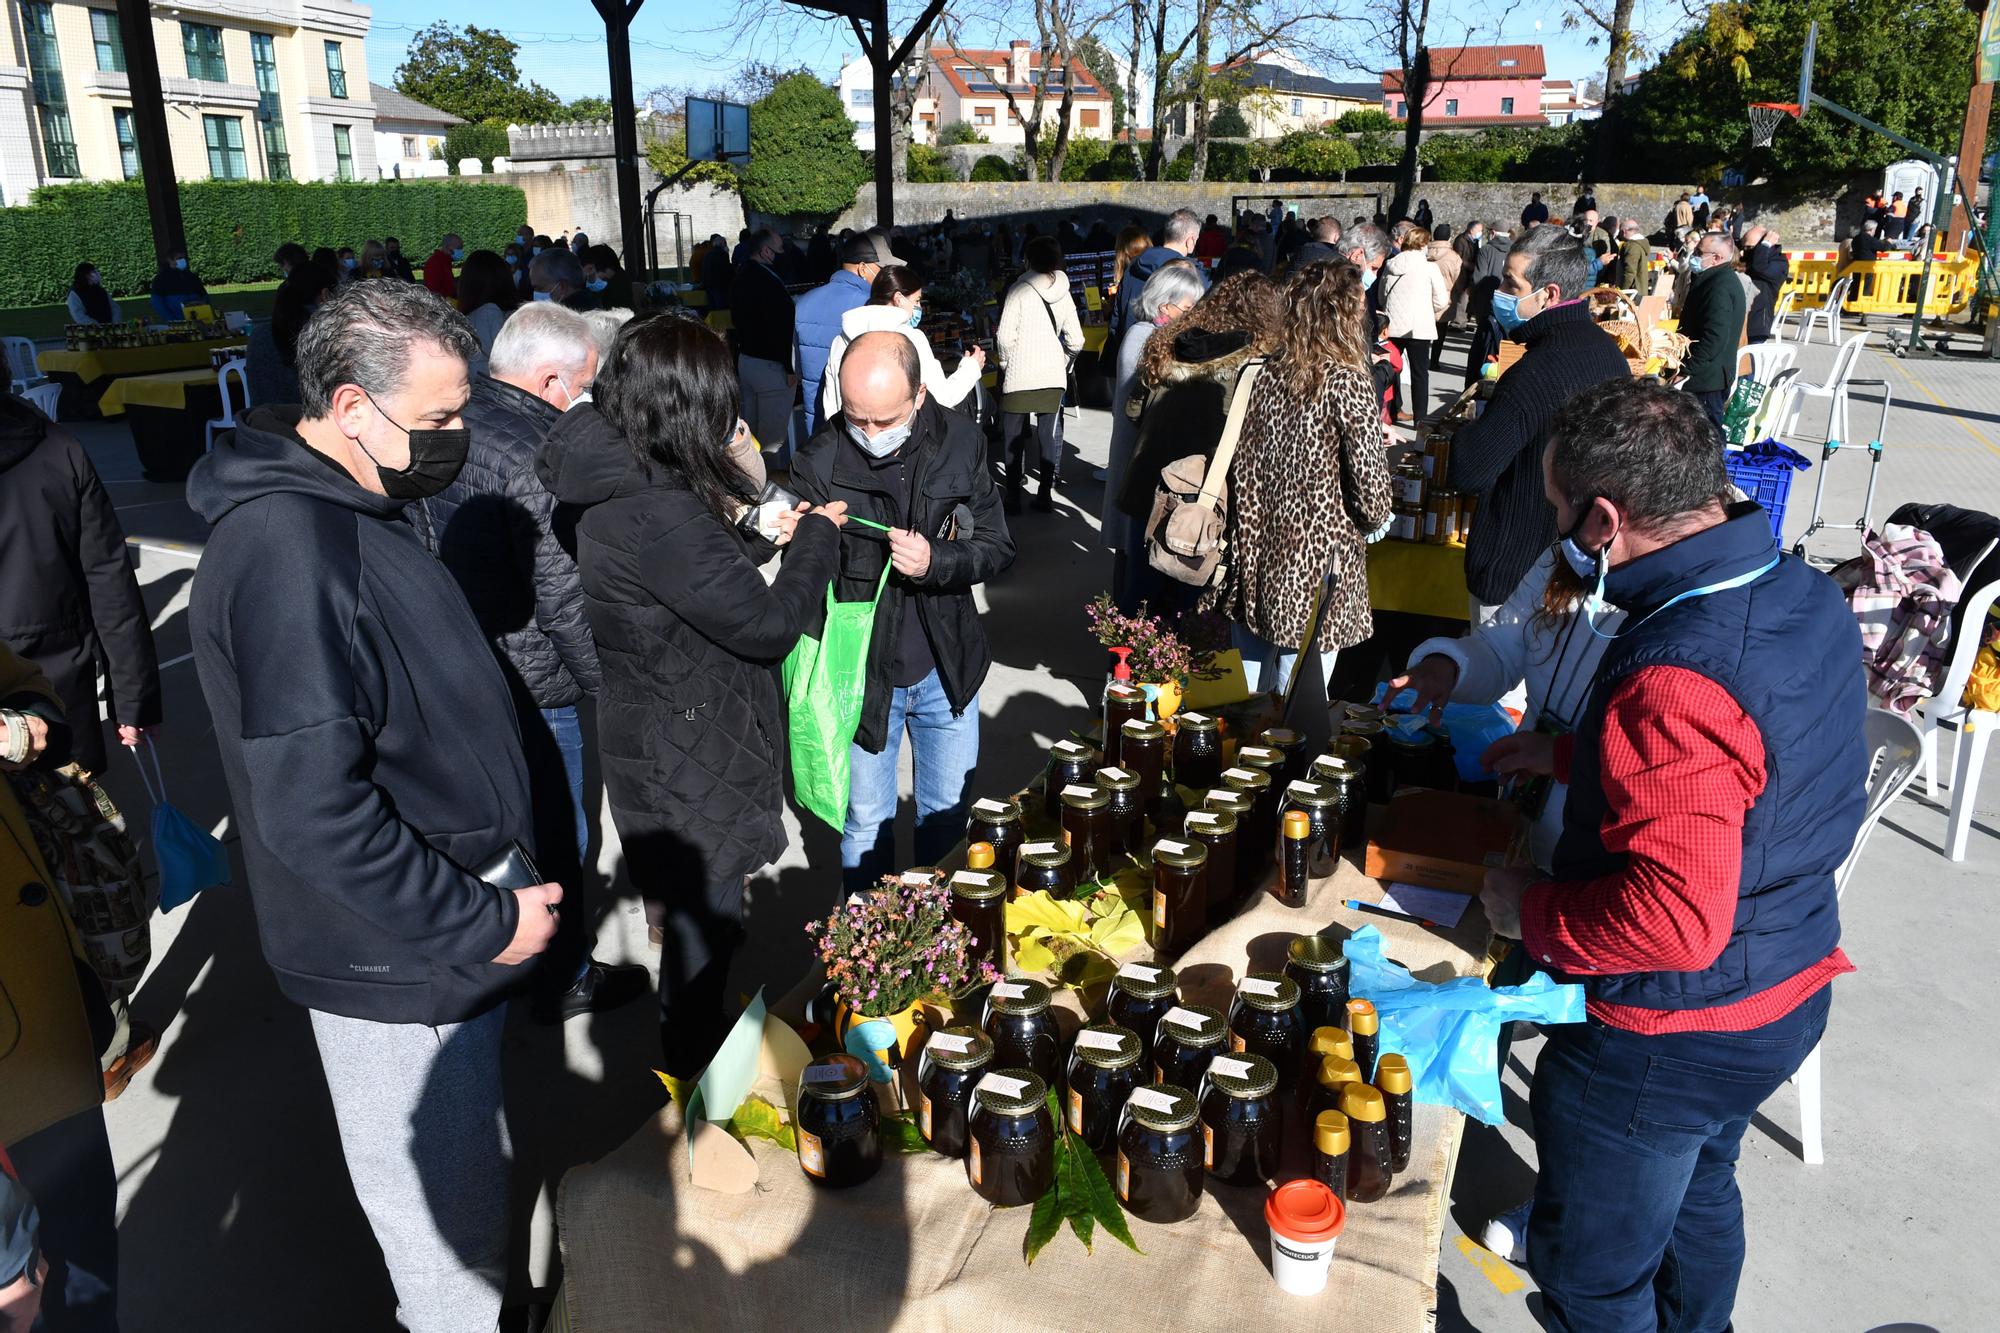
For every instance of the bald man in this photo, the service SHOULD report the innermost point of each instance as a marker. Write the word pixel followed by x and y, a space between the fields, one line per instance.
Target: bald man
pixel 899 459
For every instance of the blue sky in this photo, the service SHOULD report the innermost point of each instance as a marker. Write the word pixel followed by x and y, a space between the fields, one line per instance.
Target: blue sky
pixel 562 43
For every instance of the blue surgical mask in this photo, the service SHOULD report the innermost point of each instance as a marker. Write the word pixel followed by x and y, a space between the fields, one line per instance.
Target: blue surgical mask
pixel 916 316
pixel 512 260
pixel 1367 278
pixel 537 250
pixel 544 296
pixel 1507 311
pixel 181 264
pixel 458 254
pixel 349 263
pixel 1694 263
pixel 597 284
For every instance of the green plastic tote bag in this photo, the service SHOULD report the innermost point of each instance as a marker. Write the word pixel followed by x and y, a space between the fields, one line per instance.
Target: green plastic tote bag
pixel 826 681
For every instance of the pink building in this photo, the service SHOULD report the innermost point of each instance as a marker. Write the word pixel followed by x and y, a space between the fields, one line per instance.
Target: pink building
pixel 1475 87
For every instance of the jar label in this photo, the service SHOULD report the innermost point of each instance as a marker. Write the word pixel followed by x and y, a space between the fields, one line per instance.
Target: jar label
pixel 1239 774
pixel 1203 818
pixel 1115 774
pixel 1137 724
pixel 1010 990
pixel 1183 1018
pixel 915 879
pixel 811 1155
pixel 1098 1041
pixel 1258 986
pixel 1000 1083
pixel 924 1115
pixel 1039 849
pixel 1075 1111
pixel 1258 752
pixel 1208 1145
pixel 1124 1178
pixel 1159 909
pixel 973 1163
pixel 1152 1099
pixel 1139 972
pixel 824 1074
pixel 1197 718
pixel 1221 791
pixel 1069 749
pixel 1309 788
pixel 969 877
pixel 1076 789
pixel 1170 847
pixel 944 1041
pixel 987 807
pixel 1227 1067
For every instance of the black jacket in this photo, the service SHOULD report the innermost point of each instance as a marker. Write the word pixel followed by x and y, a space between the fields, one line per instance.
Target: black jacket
pixel 761 313
pixel 1499 456
pixel 68 598
pixel 1489 267
pixel 949 482
pixel 691 720
pixel 1713 317
pixel 1769 269
pixel 1186 409
pixel 366 732
pixel 492 529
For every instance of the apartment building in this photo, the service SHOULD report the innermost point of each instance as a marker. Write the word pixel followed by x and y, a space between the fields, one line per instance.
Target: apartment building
pixel 1476 87
pixel 1277 94
pixel 972 86
pixel 276 91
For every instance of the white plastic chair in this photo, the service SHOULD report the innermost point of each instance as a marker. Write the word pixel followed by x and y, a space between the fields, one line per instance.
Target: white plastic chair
pixel 1894 750
pixel 1767 359
pixel 45 397
pixel 20 363
pixel 1828 312
pixel 1833 389
pixel 227 421
pixel 1971 727
pixel 1781 313
pixel 1778 396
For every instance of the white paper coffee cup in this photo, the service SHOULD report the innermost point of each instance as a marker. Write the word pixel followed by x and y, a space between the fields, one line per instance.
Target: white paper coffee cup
pixel 1305 1218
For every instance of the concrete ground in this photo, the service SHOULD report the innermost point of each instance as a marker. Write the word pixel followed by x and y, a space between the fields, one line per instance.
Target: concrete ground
pixel 237 1215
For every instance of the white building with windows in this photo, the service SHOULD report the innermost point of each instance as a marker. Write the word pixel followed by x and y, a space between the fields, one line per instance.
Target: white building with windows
pixel 856 89
pixel 409 136
pixel 275 92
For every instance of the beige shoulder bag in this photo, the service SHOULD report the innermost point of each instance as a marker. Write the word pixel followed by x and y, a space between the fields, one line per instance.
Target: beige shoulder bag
pixel 1184 532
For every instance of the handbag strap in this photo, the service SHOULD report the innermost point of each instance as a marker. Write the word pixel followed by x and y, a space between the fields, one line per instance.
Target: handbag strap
pixel 161 795
pixel 1049 309
pixel 1232 430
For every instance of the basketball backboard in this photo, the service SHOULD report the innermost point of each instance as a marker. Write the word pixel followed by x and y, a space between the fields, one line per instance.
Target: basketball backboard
pixel 1806 67
pixel 717 131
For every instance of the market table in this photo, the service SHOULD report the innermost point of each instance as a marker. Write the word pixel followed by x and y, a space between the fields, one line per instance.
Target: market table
pixel 79 372
pixel 169 415
pixel 915 1248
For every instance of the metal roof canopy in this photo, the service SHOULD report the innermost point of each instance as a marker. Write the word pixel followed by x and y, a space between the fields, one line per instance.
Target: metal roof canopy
pixel 870 21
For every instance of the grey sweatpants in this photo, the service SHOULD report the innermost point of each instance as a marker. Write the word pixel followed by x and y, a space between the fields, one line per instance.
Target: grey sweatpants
pixel 425 1136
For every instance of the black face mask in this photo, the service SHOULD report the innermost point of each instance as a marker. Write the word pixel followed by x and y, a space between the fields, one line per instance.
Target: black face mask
pixel 436 457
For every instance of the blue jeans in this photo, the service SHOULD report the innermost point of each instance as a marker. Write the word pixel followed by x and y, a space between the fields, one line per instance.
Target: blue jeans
pixel 1637 1221
pixel 945 749
pixel 558 813
pixel 1266 666
pixel 568 734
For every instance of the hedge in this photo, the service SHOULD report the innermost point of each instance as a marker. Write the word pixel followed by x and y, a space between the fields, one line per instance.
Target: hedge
pixel 234 227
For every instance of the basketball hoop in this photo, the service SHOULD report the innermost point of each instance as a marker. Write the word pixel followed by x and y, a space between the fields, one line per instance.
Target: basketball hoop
pixel 1765 117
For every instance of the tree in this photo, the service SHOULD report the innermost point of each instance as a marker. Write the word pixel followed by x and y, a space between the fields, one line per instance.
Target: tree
pixel 954 132
pixel 924 165
pixel 1363 119
pixel 668 154
pixel 483 139
pixel 803 162
pixel 1103 67
pixel 1316 154
pixel 472 74
pixel 993 167
pixel 1612 20
pixel 587 108
pixel 1228 123
pixel 1058 28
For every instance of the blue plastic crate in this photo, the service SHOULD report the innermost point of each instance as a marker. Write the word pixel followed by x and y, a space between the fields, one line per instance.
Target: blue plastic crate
pixel 1768 481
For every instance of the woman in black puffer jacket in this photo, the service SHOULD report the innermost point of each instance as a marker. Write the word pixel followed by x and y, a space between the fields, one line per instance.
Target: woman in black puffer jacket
pixel 690 721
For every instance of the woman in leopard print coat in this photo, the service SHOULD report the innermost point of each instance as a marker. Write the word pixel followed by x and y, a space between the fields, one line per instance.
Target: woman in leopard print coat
pixel 1309 485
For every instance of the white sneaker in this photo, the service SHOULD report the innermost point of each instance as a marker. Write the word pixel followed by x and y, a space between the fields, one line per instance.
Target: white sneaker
pixel 1507 1234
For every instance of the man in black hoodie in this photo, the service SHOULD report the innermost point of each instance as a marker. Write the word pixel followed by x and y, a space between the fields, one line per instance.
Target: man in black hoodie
pixel 372 754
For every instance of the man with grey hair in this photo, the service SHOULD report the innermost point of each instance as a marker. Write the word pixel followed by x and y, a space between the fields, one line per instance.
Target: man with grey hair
pixel 604 326
pixel 1713 318
pixel 1366 246
pixel 367 735
pixel 1499 456
pixel 1177 241
pixel 493 528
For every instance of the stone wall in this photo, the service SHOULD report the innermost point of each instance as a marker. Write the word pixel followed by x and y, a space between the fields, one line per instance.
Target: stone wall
pixel 587 199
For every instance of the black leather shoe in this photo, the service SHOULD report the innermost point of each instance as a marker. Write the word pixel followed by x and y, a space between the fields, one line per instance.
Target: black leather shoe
pixel 602 986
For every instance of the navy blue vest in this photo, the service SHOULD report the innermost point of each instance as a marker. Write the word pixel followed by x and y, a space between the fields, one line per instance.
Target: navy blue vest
pixel 1786 648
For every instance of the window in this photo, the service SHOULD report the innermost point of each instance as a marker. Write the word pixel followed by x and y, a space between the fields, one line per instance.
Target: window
pixel 862 97
pixel 343 153
pixel 109 40
pixel 52 100
pixel 1451 106
pixel 864 126
pixel 128 141
pixel 202 45
pixel 409 145
pixel 336 72
pixel 270 114
pixel 1401 110
pixel 1508 62
pixel 982 115
pixel 1506 106
pixel 1298 106
pixel 1088 118
pixel 224 136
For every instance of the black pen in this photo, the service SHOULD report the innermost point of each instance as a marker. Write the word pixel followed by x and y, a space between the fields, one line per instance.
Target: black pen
pixel 1377 909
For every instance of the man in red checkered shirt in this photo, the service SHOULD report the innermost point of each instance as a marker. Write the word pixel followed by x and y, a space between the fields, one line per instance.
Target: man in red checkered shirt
pixel 1716 782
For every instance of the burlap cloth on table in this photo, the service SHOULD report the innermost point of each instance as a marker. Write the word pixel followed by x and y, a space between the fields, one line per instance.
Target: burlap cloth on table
pixel 915 1248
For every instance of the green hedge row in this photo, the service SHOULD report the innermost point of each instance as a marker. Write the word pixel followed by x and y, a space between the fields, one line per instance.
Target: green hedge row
pixel 233 227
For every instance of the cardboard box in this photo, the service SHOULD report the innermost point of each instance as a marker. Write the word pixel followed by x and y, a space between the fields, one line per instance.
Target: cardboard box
pixel 1442 840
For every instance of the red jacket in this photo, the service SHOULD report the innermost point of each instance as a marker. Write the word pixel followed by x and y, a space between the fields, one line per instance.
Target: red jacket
pixel 438 275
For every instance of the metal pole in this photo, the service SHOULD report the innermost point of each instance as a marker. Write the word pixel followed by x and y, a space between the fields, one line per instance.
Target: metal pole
pixel 885 127
pixel 617 15
pixel 1941 207
pixel 149 128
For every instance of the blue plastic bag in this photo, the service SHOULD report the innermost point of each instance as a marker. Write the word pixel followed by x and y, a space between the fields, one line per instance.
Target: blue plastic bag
pixel 190 858
pixel 1472 728
pixel 1450 1031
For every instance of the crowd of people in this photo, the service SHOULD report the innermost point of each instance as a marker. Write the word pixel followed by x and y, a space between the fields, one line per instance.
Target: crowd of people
pixel 471 498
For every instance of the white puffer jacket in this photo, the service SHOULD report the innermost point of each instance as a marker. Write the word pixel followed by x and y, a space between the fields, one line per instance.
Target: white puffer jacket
pixel 949 390
pixel 1414 295
pixel 1035 355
